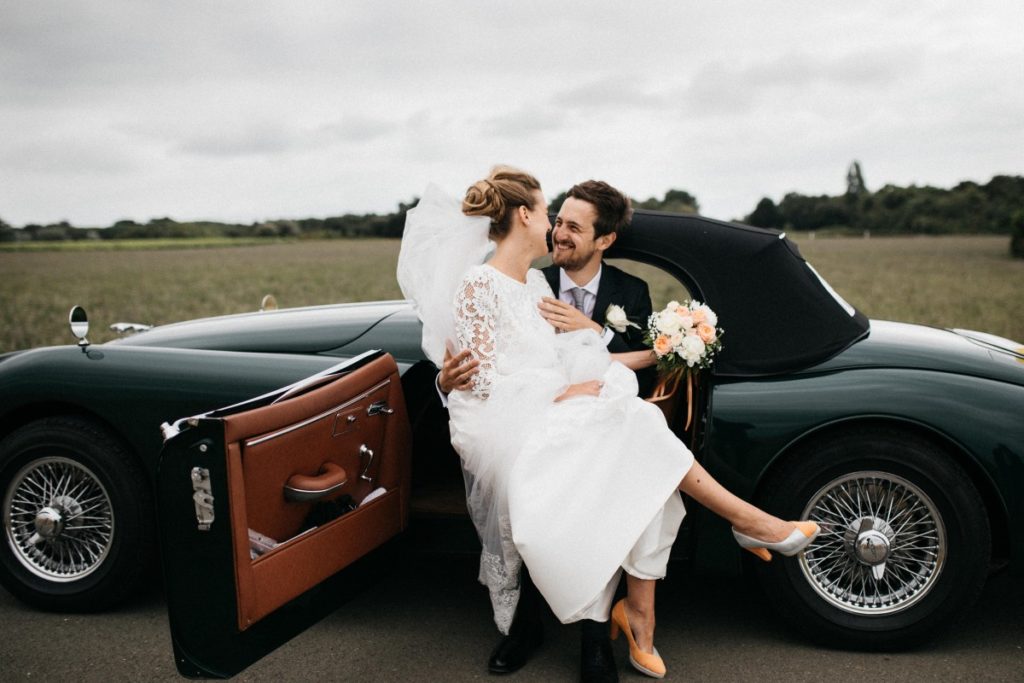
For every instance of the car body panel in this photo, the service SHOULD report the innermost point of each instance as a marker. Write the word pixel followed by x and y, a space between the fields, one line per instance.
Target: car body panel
pixel 755 423
pixel 107 381
pixel 903 345
pixel 313 329
pixel 399 334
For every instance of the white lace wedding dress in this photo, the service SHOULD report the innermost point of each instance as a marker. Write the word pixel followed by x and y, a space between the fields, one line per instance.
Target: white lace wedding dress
pixel 576 488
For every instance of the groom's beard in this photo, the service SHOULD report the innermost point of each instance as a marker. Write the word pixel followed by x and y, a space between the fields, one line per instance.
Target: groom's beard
pixel 565 255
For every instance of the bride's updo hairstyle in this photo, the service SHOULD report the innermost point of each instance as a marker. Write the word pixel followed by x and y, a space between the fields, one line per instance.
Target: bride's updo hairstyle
pixel 498 196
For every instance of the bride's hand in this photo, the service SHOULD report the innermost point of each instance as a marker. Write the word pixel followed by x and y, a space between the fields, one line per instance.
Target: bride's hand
pixel 591 388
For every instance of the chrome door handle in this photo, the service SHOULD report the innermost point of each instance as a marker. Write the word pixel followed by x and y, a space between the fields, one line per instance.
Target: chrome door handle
pixel 363 450
pixel 379 408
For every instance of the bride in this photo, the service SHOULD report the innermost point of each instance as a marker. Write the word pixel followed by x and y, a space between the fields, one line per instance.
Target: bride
pixel 565 468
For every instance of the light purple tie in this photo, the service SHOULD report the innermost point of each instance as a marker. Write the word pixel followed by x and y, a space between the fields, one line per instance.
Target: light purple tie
pixel 578 293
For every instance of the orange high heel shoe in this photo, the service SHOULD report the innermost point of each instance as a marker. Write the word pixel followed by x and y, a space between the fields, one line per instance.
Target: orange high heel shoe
pixel 800 538
pixel 644 662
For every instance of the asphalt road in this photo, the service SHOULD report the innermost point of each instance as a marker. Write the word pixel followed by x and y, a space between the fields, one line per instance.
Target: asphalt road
pixel 430 621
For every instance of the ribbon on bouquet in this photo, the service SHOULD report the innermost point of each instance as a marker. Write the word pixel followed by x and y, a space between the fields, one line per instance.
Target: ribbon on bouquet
pixel 668 385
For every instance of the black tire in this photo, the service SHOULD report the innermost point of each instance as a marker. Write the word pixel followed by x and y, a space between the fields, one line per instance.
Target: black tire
pixel 937 540
pixel 78 523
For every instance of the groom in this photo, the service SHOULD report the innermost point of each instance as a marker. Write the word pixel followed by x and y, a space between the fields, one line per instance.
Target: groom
pixel 587 289
pixel 584 288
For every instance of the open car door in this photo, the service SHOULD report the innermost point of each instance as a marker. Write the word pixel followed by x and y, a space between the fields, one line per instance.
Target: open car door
pixel 262 505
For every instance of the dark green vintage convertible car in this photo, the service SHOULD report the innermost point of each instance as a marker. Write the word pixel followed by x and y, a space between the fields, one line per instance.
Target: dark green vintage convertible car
pixel 905 442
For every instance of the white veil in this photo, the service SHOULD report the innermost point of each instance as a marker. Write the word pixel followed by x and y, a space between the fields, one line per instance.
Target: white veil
pixel 439 244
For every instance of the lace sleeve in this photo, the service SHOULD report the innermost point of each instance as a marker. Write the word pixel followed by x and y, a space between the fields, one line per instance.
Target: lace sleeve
pixel 475 307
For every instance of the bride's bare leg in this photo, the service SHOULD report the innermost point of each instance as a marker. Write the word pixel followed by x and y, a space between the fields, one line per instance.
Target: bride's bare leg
pixel 744 517
pixel 640 610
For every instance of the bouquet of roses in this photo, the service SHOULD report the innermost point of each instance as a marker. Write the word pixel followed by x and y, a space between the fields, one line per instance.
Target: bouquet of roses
pixel 684 336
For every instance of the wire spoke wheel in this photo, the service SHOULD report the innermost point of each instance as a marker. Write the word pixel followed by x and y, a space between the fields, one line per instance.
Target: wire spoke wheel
pixel 58 519
pixel 882 546
pixel 905 541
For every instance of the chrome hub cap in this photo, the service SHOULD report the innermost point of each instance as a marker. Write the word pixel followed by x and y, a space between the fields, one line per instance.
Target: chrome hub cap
pixel 58 519
pixel 882 543
pixel 49 523
pixel 872 548
pixel 870 543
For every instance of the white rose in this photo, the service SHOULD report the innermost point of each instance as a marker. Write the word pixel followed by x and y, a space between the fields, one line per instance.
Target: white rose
pixel 709 316
pixel 692 348
pixel 671 323
pixel 615 318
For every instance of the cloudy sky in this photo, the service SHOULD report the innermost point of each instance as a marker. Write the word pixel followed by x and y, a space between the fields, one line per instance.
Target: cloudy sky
pixel 249 110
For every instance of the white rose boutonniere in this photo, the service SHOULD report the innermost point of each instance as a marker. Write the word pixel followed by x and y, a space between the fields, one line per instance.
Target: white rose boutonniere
pixel 615 318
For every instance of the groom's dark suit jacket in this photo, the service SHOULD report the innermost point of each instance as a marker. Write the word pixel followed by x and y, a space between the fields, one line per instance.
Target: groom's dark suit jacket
pixel 632 294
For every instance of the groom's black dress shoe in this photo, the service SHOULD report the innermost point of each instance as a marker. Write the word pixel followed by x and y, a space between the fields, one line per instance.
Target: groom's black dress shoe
pixel 597 663
pixel 524 636
pixel 514 650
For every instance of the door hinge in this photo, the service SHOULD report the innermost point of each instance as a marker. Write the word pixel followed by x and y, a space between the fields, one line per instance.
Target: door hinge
pixel 202 496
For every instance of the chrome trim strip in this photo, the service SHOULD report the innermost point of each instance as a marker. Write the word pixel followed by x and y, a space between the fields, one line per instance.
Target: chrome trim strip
pixel 333 411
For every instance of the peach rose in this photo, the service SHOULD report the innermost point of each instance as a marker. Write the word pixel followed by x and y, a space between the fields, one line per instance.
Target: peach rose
pixel 662 345
pixel 698 316
pixel 706 333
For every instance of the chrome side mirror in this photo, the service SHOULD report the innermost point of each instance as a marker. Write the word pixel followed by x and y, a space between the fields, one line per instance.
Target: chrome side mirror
pixel 268 303
pixel 79 322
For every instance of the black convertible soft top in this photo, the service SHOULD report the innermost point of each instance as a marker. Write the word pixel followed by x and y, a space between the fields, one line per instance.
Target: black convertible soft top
pixel 778 314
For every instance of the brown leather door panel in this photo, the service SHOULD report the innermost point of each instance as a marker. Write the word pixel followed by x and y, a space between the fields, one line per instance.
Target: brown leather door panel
pixel 269 460
pixel 357 423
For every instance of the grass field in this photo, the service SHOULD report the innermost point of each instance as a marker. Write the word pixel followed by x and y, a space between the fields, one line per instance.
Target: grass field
pixel 947 281
pixel 136 245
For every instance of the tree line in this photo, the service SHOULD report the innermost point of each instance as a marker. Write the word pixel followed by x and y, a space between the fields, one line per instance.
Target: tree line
pixel 997 207
pixel 347 225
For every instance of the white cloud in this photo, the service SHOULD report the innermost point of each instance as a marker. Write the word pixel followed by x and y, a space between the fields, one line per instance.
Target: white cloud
pixel 243 110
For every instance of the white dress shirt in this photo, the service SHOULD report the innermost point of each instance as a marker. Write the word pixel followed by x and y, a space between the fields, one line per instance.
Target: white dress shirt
pixel 565 287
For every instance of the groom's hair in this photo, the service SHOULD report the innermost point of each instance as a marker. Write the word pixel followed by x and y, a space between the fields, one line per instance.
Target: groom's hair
pixel 614 210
